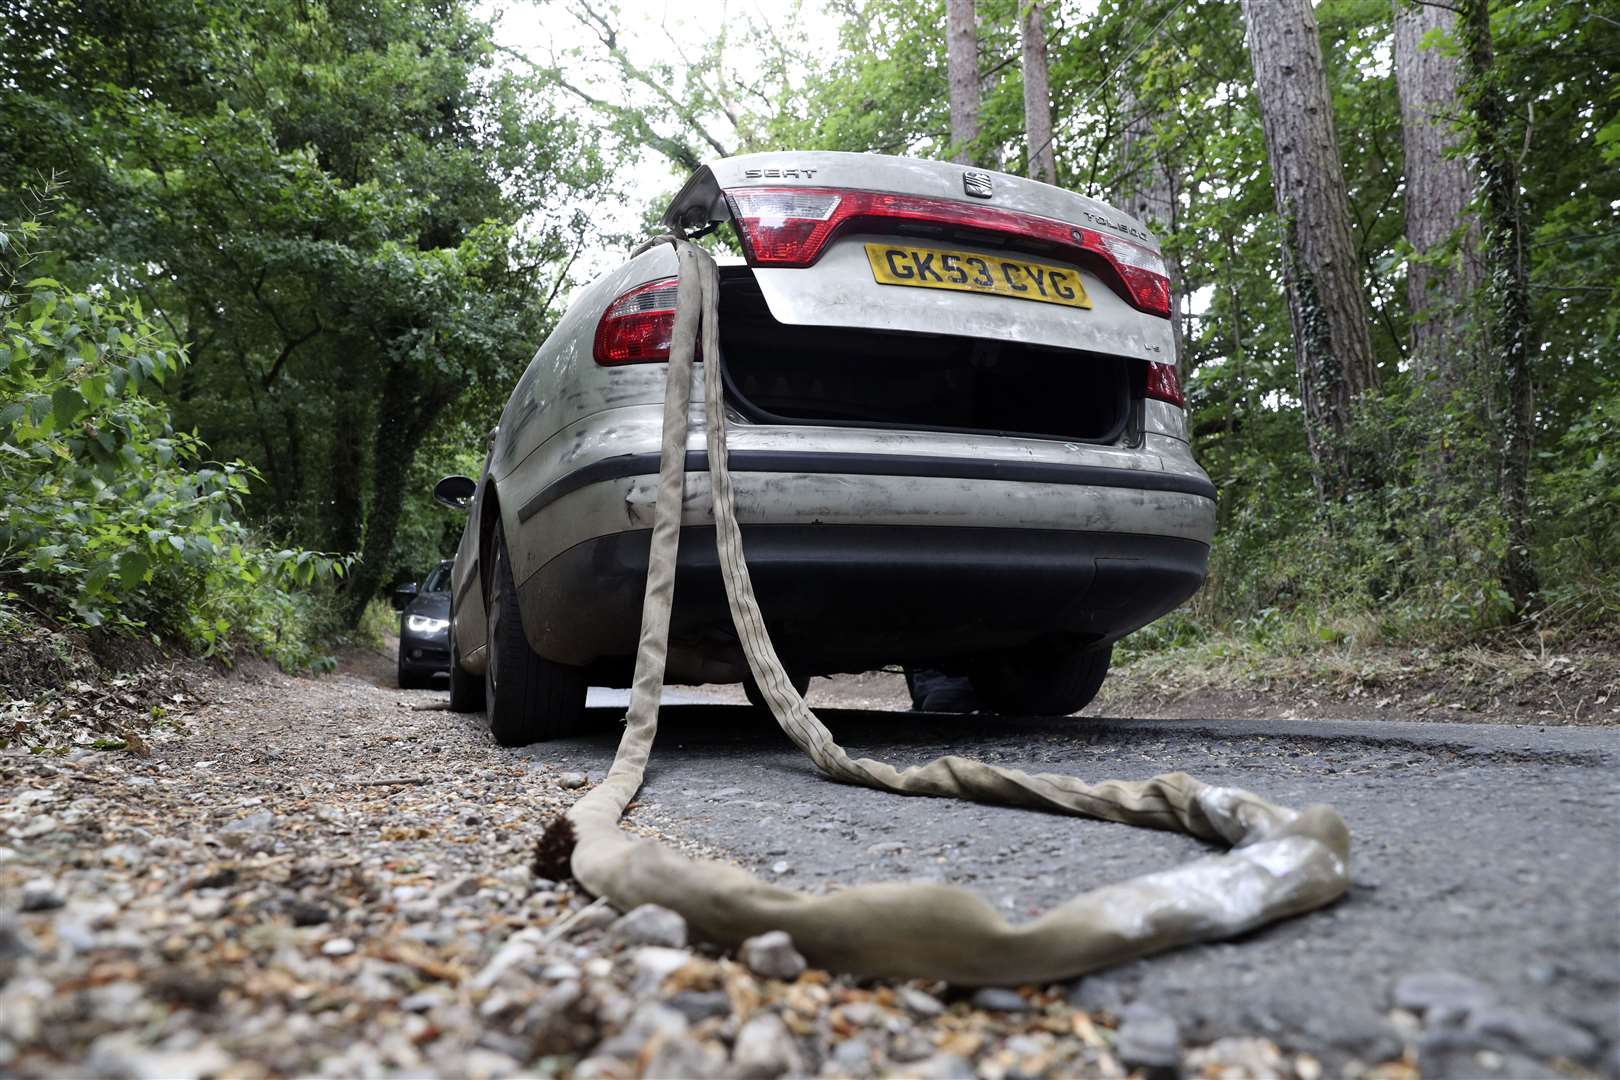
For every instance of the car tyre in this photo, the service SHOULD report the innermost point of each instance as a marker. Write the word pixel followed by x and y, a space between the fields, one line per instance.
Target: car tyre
pixel 527 698
pixel 1046 679
pixel 466 690
pixel 756 696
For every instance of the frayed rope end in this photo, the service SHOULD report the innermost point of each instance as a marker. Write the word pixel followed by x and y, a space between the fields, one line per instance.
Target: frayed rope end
pixel 554 850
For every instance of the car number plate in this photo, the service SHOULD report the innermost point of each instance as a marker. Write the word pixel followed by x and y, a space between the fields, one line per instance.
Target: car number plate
pixel 967 271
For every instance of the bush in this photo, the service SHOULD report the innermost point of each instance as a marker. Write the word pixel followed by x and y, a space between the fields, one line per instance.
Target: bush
pixel 1579 502
pixel 1414 556
pixel 108 517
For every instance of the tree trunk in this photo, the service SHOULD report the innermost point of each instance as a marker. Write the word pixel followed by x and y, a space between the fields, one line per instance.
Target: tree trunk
pixel 1512 336
pixel 1332 343
pixel 1440 284
pixel 1146 190
pixel 404 417
pixel 962 68
pixel 1037 96
pixel 345 509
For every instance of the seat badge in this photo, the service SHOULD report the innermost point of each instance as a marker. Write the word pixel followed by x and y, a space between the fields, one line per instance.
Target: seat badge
pixel 977 184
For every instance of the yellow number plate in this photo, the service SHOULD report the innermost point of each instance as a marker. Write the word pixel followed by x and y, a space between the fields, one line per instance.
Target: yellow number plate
pixel 966 271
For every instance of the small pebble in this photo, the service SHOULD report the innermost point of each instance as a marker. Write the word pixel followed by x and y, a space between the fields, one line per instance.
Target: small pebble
pixel 654 963
pixel 699 1005
pixel 772 956
pixel 1148 1039
pixel 650 924
pixel 765 1049
pixel 305 912
pixel 918 1002
pixel 998 999
pixel 338 946
pixel 1441 992
pixel 40 895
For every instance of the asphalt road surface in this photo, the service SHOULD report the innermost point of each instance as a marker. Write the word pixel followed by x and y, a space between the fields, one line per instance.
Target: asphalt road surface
pixel 1486 851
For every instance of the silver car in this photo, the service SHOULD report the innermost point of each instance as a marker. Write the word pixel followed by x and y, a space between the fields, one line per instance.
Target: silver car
pixel 956 431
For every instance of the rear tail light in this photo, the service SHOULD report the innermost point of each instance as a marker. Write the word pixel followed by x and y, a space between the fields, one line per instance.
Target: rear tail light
pixel 1164 385
pixel 785 227
pixel 1143 271
pixel 791 227
pixel 636 328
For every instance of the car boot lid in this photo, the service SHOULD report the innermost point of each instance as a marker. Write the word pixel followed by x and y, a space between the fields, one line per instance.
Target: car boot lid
pixel 702 199
pixel 840 281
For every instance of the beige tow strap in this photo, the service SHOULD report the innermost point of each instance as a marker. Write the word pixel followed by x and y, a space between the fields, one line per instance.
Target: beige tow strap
pixel 1281 862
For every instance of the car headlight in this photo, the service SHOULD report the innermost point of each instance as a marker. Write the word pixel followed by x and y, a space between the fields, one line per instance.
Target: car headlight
pixel 421 624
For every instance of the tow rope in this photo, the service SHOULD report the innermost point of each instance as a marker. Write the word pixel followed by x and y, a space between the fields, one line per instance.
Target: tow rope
pixel 1281 862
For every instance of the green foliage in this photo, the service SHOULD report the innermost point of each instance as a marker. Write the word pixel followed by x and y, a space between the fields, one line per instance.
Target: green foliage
pixel 107 514
pixel 1418 555
pixel 378 622
pixel 355 220
pixel 358 224
pixel 1579 502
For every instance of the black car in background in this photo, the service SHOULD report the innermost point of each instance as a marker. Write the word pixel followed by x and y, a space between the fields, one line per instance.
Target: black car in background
pixel 424 629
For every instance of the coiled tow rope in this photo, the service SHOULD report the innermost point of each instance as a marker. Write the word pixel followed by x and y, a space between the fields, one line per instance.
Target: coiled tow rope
pixel 1280 862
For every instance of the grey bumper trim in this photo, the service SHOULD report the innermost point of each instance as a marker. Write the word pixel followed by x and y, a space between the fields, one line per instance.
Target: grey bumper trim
pixel 815 461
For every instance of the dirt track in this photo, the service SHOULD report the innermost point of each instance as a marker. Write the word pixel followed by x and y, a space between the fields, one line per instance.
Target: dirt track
pixel 323 875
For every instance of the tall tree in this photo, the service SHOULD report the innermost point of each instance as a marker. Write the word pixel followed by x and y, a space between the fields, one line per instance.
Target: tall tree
pixel 1146 189
pixel 1444 271
pixel 1512 334
pixel 1333 349
pixel 1037 94
pixel 962 69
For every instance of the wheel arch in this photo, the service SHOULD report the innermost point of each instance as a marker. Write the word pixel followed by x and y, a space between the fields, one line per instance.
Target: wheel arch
pixel 489 519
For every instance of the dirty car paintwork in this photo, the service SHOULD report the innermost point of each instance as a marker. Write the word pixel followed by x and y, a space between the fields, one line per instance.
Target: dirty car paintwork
pixel 566 411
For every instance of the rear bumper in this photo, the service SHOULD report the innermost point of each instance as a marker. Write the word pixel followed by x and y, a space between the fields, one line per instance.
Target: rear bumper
pixel 850 598
pixel 868 547
pixel 921 466
pixel 792 477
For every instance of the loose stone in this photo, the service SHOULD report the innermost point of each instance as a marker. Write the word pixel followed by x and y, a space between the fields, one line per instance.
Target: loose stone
pixel 1148 1039
pixel 1539 1033
pixel 1441 991
pixel 650 924
pixel 765 1049
pixel 654 963
pixel 682 1055
pixel 1098 994
pixel 306 912
pixel 943 1067
pixel 999 999
pixel 918 1002
pixel 772 956
pixel 40 895
pixel 698 1005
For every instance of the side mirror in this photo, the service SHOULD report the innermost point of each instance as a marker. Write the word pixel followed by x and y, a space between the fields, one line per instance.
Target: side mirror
pixel 456 492
pixel 402 596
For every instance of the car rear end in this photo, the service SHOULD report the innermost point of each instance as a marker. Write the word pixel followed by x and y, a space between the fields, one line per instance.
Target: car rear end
pixel 955 426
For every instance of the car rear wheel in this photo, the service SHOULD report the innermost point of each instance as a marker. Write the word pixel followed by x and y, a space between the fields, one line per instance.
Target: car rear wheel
pixel 1046 679
pixel 756 697
pixel 466 691
pixel 527 698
